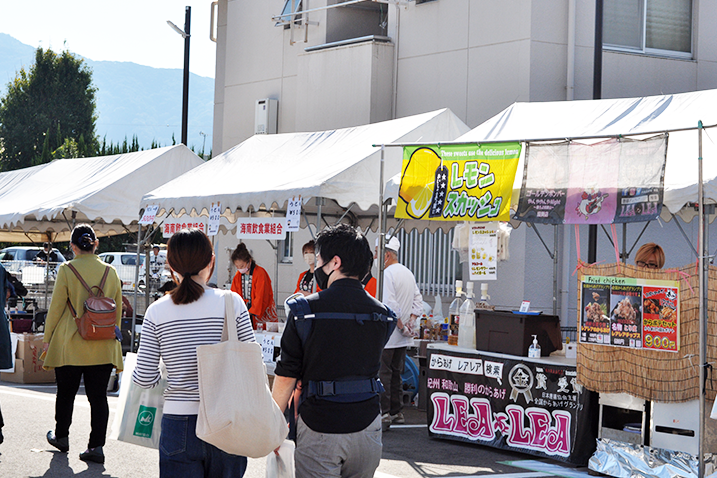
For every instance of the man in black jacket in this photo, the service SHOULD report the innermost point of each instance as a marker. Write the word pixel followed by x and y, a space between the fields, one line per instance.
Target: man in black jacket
pixel 332 343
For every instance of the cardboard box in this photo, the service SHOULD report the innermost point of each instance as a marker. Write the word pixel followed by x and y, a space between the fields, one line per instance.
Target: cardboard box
pixel 28 366
pixel 29 345
pixel 29 372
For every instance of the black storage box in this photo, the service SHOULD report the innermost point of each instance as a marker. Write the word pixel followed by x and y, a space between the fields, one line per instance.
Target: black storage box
pixel 509 333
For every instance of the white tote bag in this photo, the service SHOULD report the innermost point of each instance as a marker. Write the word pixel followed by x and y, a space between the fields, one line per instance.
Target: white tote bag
pixel 138 418
pixel 236 411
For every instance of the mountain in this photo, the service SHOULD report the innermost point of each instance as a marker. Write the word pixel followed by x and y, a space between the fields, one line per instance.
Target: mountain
pixel 133 99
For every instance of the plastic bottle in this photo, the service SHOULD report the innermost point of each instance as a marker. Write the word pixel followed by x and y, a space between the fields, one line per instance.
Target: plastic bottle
pixel 438 308
pixel 454 311
pixel 467 327
pixel 534 350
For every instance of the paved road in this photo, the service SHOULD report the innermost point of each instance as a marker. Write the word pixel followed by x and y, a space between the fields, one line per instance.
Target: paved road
pixel 28 411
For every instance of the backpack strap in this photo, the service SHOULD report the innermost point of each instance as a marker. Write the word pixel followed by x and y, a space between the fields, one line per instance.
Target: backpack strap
pixel 303 316
pixel 79 277
pixel 345 391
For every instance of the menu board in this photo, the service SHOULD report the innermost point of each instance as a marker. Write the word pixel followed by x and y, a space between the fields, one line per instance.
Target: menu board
pixel 628 312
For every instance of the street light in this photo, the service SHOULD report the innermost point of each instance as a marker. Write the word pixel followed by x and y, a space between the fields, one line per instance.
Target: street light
pixel 185 92
pixel 204 140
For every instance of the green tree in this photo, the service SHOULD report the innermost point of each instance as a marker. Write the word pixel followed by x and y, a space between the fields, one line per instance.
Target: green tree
pixel 50 108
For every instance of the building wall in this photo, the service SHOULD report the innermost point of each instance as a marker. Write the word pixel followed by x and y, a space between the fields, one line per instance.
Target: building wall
pixel 475 57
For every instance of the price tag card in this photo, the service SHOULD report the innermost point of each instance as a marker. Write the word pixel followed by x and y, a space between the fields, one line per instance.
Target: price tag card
pixel 267 347
pixel 525 306
pixel 215 213
pixel 293 214
pixel 150 212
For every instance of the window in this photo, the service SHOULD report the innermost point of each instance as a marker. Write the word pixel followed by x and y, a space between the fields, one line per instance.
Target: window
pixel 286 248
pixel 661 27
pixel 286 13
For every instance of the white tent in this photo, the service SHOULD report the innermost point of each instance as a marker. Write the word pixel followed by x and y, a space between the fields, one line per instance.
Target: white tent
pixel 559 120
pixel 341 166
pixel 42 202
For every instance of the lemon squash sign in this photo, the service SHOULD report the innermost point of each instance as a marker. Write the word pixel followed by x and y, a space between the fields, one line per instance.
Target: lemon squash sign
pixel 458 182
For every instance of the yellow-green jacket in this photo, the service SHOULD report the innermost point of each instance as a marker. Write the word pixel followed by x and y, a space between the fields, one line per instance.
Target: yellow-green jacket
pixel 67 347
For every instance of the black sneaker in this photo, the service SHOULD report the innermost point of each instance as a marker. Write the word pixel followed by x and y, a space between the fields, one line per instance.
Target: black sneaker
pixel 62 444
pixel 94 455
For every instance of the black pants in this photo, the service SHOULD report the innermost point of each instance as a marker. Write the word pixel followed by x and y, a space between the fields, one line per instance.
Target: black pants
pixel 392 363
pixel 96 378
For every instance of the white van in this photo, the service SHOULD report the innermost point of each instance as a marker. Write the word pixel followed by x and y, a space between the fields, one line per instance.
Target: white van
pixel 126 265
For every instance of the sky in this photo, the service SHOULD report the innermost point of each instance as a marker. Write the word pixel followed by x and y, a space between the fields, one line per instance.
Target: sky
pixel 111 30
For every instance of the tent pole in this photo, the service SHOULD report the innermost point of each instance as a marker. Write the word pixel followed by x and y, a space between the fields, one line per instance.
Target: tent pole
pixel 136 278
pixel 703 265
pixel 624 243
pixel 381 229
pixel 319 203
pixel 555 269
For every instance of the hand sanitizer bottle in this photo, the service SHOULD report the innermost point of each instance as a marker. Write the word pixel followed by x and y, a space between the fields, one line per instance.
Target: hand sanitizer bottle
pixel 534 350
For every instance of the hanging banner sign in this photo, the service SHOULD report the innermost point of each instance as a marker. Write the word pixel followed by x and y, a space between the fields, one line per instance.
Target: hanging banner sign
pixel 483 251
pixel 261 228
pixel 293 214
pixel 458 182
pixel 176 224
pixel 509 403
pixel 614 181
pixel 150 212
pixel 632 313
pixel 215 214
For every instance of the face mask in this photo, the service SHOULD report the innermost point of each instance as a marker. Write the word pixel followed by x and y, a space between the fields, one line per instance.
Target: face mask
pixel 244 271
pixel 375 262
pixel 322 278
pixel 310 258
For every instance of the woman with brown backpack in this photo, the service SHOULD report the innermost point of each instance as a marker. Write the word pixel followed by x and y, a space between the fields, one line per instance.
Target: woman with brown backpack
pixel 78 345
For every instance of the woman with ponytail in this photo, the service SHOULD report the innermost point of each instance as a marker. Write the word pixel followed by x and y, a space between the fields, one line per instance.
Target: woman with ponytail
pixel 73 357
pixel 173 327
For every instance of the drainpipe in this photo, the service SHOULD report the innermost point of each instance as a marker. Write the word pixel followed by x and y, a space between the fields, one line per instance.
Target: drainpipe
pixel 394 100
pixel 570 93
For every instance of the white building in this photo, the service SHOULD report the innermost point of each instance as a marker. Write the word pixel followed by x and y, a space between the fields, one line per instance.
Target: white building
pixel 349 63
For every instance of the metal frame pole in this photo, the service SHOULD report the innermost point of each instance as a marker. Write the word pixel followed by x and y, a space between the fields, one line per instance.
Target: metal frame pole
pixel 703 268
pixel 381 228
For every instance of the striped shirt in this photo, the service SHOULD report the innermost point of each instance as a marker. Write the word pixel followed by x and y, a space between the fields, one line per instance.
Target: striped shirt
pixel 172 332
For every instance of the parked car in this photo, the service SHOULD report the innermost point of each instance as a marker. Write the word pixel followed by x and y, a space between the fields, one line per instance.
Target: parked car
pixel 20 261
pixel 126 264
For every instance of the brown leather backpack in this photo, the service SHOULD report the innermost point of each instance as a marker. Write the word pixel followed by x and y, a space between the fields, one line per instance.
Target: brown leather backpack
pixel 100 318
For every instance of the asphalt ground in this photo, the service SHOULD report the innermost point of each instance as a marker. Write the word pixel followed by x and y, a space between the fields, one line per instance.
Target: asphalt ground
pixel 408 452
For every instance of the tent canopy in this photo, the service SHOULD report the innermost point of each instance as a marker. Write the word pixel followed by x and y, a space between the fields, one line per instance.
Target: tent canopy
pixel 42 202
pixel 560 120
pixel 341 166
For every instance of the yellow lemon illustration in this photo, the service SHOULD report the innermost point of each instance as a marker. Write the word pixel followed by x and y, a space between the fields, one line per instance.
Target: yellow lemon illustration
pixel 420 204
pixel 417 181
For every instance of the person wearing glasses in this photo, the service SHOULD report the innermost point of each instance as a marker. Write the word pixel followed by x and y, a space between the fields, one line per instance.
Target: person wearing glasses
pixel 650 256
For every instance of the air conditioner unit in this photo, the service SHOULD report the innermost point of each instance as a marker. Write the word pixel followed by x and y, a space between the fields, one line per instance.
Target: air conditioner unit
pixel 266 116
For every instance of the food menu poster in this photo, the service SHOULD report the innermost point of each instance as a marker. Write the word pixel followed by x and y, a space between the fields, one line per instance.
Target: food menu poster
pixel 629 312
